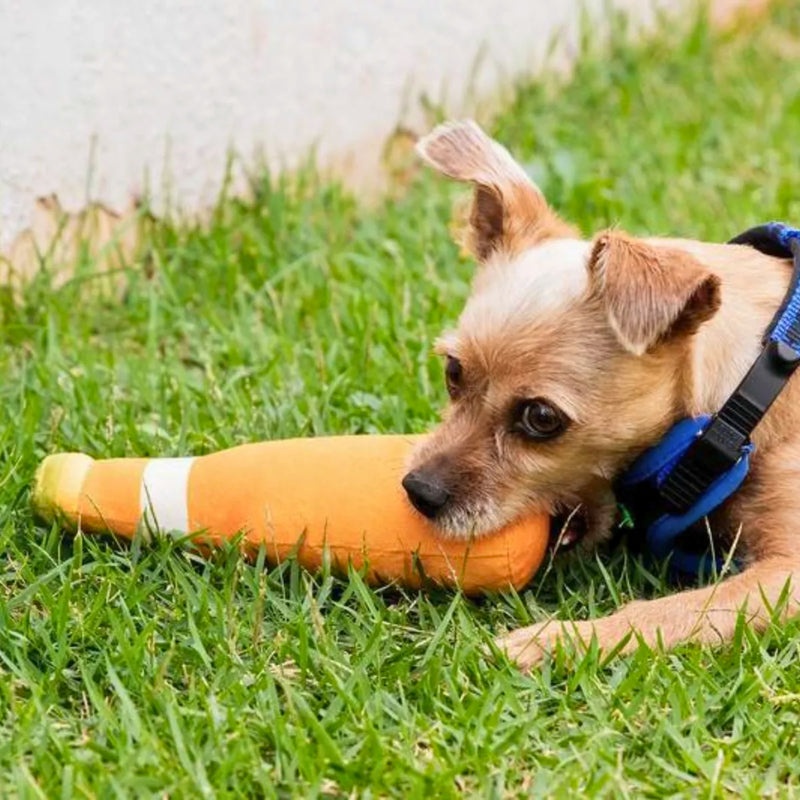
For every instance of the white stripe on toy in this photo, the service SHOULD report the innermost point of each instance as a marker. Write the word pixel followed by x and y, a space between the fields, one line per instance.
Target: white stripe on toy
pixel 164 497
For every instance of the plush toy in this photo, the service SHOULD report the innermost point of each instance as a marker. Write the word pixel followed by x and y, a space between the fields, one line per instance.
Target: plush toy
pixel 305 497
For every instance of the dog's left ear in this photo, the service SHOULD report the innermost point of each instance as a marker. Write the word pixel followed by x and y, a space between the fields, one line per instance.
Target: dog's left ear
pixel 509 213
pixel 650 293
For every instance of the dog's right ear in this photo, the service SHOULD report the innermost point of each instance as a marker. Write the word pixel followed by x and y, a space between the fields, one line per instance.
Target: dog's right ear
pixel 509 214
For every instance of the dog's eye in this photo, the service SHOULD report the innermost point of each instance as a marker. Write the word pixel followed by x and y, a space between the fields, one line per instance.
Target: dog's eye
pixel 538 419
pixel 452 375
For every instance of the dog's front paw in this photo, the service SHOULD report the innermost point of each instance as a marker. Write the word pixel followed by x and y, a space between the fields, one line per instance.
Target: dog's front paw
pixel 526 647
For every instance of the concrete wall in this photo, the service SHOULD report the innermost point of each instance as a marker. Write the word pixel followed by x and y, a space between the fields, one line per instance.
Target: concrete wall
pixel 104 100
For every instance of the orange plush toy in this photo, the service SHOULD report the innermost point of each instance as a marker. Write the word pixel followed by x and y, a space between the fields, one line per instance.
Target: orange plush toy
pixel 298 497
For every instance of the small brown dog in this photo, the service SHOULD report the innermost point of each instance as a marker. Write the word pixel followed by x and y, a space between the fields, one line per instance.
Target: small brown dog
pixel 570 358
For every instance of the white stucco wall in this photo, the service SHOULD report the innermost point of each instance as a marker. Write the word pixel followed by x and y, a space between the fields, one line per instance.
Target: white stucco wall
pixel 102 99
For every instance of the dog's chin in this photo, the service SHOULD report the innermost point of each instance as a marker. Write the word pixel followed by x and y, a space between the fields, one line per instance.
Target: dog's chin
pixel 471 522
pixel 474 520
pixel 574 526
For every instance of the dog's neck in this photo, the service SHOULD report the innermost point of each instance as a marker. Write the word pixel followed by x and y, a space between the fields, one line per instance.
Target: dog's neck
pixel 724 349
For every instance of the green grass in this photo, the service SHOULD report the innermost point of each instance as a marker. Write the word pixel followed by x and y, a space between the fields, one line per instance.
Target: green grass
pixel 137 672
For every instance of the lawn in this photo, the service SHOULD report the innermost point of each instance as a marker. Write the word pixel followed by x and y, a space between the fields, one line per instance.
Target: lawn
pixel 146 671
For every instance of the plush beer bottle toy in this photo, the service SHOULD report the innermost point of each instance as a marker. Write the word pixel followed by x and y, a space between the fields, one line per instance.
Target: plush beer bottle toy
pixel 338 495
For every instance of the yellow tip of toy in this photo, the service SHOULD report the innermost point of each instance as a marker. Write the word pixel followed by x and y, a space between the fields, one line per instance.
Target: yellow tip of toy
pixel 57 485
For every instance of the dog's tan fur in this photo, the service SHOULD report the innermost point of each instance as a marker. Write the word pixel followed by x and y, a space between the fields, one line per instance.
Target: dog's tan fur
pixel 626 336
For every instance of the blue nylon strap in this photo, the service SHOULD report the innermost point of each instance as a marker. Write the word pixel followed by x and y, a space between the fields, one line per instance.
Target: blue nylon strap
pixel 786 328
pixel 655 465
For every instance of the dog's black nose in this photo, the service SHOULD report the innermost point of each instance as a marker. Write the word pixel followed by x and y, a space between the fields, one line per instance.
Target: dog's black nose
pixel 427 493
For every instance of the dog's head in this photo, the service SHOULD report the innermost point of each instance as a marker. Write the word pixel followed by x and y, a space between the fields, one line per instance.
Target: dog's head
pixel 568 358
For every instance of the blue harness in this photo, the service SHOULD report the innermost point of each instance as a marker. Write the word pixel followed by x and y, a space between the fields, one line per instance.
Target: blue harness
pixel 702 461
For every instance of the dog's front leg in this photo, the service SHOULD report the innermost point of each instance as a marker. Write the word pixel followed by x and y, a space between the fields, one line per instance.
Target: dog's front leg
pixel 706 616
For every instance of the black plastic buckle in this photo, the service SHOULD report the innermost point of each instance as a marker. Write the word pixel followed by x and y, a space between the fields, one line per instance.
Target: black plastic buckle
pixel 711 455
pixel 724 441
